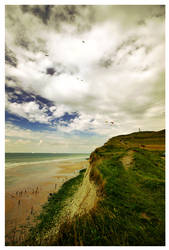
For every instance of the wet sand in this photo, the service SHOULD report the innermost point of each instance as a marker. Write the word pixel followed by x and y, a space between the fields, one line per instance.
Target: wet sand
pixel 27 189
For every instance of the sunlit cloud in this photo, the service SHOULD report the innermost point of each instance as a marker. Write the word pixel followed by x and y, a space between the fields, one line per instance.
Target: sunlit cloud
pixel 69 69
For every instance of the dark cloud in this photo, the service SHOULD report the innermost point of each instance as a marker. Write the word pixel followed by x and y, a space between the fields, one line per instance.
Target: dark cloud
pixel 129 47
pixel 111 57
pixel 59 69
pixel 10 57
pixel 42 12
pixel 105 63
pixel 66 13
pixel 160 12
pixel 54 15
pixel 50 71
pixel 24 40
pixel 10 79
pixel 129 41
pixel 141 22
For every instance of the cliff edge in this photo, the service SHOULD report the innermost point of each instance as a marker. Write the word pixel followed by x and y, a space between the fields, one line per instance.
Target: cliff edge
pixel 119 200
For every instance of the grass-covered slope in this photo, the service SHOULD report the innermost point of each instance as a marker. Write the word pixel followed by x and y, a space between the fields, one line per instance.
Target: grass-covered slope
pixel 130 210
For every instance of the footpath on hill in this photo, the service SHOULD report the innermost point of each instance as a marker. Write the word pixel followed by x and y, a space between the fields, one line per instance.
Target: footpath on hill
pixel 127 160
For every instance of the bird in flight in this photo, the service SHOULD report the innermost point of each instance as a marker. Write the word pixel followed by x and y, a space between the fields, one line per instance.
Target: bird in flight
pixel 109 122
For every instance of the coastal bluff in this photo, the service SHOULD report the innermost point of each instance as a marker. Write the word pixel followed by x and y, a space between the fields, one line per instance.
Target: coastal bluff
pixel 118 200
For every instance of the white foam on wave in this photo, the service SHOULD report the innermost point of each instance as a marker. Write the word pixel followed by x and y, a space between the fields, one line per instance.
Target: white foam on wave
pixel 12 165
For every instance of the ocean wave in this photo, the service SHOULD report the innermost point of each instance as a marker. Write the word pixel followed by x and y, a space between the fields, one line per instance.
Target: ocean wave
pixel 12 165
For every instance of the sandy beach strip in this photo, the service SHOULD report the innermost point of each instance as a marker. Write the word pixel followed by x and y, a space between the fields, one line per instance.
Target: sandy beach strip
pixel 27 191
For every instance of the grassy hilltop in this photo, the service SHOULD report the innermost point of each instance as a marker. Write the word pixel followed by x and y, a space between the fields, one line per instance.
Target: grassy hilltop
pixel 128 207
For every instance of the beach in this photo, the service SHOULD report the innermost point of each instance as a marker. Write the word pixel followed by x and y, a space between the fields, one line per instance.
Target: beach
pixel 28 187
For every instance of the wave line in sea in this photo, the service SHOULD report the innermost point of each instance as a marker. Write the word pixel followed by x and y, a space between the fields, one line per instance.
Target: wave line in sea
pixel 12 165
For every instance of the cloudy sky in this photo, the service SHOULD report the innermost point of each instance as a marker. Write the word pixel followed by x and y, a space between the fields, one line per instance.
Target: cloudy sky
pixel 78 75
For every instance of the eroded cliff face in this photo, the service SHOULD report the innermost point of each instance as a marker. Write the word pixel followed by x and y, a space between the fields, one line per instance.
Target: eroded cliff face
pixel 86 196
pixel 83 200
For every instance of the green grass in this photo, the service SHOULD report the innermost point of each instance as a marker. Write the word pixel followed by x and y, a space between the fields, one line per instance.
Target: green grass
pixel 118 218
pixel 131 209
pixel 51 212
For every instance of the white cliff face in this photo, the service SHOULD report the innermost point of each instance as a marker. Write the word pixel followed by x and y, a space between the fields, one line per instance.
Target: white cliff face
pixel 85 198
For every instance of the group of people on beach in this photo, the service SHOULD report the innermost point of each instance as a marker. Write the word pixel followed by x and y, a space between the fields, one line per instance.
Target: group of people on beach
pixel 33 191
pixel 20 193
pixel 26 192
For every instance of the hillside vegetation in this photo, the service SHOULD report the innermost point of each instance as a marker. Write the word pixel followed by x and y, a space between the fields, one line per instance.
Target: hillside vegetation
pixel 126 179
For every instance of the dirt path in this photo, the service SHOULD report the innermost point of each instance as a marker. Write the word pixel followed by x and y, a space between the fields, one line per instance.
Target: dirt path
pixel 127 160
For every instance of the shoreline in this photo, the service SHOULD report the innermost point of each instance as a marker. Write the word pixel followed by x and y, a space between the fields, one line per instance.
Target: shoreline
pixel 13 165
pixel 25 200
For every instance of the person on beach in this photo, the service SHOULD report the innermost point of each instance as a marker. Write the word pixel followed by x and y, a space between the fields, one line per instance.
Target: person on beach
pixel 31 210
pixel 19 202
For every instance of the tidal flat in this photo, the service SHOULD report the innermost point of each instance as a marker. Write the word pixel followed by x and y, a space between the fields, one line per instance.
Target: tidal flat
pixel 28 187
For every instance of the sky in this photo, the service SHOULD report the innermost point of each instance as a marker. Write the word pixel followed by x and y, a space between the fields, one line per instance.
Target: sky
pixel 76 76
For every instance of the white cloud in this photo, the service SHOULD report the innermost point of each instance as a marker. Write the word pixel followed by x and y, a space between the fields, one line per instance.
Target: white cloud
pixel 40 142
pixel 109 65
pixel 28 110
pixel 20 141
pixel 23 140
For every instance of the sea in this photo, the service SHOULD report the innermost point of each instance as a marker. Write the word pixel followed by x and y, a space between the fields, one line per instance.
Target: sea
pixel 27 168
pixel 19 159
